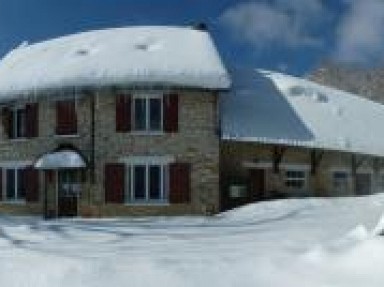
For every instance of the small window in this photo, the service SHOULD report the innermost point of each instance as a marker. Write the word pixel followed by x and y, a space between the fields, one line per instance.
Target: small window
pixel 146 183
pixel 18 123
pixel 148 113
pixel 15 185
pixel 295 179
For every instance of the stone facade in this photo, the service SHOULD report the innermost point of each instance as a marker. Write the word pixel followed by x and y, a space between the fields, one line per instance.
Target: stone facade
pixel 238 158
pixel 196 142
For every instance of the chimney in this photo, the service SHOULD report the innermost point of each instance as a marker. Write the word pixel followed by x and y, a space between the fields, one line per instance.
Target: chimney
pixel 200 26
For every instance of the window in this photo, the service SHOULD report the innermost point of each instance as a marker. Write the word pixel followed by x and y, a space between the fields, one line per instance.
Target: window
pixel 66 117
pixel 148 113
pixel 295 179
pixel 147 183
pixel 340 182
pixel 15 185
pixel 18 123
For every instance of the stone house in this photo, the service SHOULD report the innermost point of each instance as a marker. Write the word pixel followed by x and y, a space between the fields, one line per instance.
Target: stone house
pixel 146 121
pixel 112 122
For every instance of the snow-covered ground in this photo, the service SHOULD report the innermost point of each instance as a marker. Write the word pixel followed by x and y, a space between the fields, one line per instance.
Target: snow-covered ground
pixel 296 242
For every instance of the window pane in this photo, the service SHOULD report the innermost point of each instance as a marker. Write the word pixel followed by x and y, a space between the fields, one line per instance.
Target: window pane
pixel 154 182
pixel 295 179
pixel 155 114
pixel 139 178
pixel 20 127
pixel 140 114
pixel 10 174
pixel 20 184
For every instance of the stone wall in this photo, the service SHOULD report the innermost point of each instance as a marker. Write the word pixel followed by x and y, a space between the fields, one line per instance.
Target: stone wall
pixel 238 157
pixel 196 142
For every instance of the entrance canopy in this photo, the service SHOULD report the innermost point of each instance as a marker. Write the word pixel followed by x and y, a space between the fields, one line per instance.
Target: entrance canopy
pixel 60 160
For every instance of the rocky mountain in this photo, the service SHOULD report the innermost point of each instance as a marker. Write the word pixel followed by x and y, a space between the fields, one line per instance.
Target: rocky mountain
pixel 365 82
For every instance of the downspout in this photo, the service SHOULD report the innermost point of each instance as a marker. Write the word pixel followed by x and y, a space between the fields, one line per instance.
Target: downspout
pixel 92 175
pixel 46 215
pixel 92 140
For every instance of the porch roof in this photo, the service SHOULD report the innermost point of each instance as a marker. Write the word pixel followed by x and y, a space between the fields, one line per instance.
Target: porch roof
pixel 60 160
pixel 272 108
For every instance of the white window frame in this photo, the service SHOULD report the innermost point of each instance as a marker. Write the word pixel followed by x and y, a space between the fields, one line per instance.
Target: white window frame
pixel 11 165
pixel 16 185
pixel 147 161
pixel 304 179
pixel 147 97
pixel 15 122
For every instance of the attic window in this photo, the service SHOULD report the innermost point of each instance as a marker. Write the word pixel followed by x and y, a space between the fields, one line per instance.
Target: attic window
pixel 82 52
pixel 297 91
pixel 147 45
pixel 315 95
pixel 142 46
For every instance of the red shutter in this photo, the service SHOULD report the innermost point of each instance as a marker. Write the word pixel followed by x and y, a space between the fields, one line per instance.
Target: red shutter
pixel 66 117
pixel 1 184
pixel 7 120
pixel 114 183
pixel 171 113
pixel 180 183
pixel 32 120
pixel 123 113
pixel 31 183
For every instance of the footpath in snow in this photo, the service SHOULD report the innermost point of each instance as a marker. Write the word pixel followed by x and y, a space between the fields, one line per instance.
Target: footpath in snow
pixel 296 242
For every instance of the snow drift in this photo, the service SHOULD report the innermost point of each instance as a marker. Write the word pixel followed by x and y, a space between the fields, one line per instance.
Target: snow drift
pixel 293 242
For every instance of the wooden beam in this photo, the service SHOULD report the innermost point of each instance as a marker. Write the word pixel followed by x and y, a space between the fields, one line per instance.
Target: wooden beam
pixel 316 157
pixel 277 156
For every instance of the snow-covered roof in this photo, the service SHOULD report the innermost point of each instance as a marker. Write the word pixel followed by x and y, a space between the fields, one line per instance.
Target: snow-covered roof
pixel 60 159
pixel 143 55
pixel 269 107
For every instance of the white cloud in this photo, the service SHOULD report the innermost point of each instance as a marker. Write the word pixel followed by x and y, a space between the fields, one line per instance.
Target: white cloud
pixel 291 23
pixel 359 36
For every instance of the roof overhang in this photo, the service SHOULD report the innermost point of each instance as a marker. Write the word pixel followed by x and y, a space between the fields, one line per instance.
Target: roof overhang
pixel 63 159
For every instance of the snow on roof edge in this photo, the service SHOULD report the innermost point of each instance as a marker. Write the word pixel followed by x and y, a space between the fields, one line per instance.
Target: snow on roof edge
pixel 297 144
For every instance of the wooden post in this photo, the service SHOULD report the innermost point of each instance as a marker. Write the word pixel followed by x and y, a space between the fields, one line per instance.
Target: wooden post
pixel 277 156
pixel 316 157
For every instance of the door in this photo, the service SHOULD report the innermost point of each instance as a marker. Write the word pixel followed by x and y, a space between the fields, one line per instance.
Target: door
pixel 363 183
pixel 68 188
pixel 256 184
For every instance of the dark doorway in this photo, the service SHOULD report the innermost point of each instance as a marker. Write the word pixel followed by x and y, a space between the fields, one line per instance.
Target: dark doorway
pixel 363 184
pixel 68 188
pixel 256 184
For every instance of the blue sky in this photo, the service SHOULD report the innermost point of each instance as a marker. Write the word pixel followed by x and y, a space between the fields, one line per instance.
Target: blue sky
pixel 288 35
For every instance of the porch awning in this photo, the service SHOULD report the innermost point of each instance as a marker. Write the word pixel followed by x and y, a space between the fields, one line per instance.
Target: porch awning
pixel 60 159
